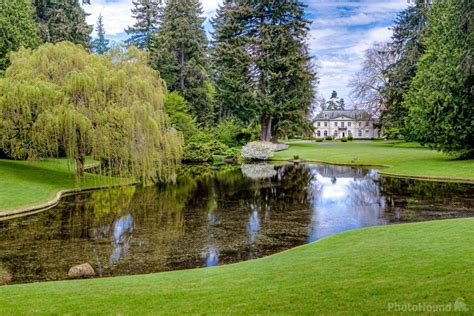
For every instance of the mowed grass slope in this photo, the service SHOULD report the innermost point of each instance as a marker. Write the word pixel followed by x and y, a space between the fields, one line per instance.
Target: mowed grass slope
pixel 361 271
pixel 406 159
pixel 24 183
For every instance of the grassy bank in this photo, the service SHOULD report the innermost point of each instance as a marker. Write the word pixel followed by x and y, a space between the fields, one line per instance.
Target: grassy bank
pixel 361 271
pixel 24 183
pixel 406 159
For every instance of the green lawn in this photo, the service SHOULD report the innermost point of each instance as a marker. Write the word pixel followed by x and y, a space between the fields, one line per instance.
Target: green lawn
pixel 406 159
pixel 361 271
pixel 24 183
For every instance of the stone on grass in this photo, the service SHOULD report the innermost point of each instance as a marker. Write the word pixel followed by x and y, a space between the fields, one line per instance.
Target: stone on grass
pixel 81 271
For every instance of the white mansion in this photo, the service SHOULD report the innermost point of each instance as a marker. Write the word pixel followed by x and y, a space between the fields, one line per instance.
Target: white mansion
pixel 343 123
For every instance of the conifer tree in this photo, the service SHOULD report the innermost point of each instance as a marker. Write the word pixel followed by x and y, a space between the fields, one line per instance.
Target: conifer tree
pixel 147 14
pixel 439 101
pixel 276 72
pixel 100 45
pixel 63 21
pixel 17 29
pixel 180 54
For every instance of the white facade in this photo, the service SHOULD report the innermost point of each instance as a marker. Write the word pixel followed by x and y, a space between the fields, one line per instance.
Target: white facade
pixel 340 124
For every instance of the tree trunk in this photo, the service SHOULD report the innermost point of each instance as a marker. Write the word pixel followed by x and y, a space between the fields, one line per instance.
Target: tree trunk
pixel 266 128
pixel 80 156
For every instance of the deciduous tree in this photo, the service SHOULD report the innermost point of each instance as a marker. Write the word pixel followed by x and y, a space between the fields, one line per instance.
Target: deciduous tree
pixel 59 98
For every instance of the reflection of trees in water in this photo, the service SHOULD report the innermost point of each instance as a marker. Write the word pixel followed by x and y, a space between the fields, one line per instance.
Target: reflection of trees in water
pixel 411 200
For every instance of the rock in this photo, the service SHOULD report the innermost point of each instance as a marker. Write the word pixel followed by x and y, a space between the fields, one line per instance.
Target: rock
pixel 5 277
pixel 81 271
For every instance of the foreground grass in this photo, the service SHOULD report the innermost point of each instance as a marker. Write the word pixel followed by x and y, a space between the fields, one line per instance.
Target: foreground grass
pixel 24 183
pixel 361 271
pixel 406 159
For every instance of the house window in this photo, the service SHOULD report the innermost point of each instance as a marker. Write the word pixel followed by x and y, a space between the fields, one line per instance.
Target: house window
pixel 326 124
pixel 325 133
pixel 360 133
pixel 360 124
pixel 335 123
pixel 319 133
pixel 325 116
pixel 319 124
pixel 342 124
pixel 335 133
pixel 367 131
pixel 349 124
pixel 366 123
pixel 350 132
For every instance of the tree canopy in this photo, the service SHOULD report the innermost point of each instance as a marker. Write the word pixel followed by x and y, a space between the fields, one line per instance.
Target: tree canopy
pixel 59 99
pixel 439 101
pixel 17 29
pixel 180 54
pixel 100 45
pixel 147 15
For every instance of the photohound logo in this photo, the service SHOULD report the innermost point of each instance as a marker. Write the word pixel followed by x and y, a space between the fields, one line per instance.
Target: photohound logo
pixel 458 306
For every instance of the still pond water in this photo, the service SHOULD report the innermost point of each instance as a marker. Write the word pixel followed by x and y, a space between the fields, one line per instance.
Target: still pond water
pixel 216 217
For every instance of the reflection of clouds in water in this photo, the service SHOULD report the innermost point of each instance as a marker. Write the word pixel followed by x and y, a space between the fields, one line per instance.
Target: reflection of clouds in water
pixel 350 202
pixel 254 223
pixel 212 258
pixel 123 229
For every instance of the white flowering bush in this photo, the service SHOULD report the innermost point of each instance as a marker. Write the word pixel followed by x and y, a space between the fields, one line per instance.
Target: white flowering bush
pixel 258 171
pixel 258 150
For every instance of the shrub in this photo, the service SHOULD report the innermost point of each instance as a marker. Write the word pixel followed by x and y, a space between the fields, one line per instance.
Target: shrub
pixel 227 131
pixel 319 140
pixel 344 139
pixel 296 157
pixel 258 150
pixel 232 153
pixel 258 171
pixel 350 138
pixel 197 152
pixel 328 137
pixel 217 148
pixel 392 133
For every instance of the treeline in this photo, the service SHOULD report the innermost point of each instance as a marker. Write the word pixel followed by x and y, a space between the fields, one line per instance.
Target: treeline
pixel 421 82
pixel 253 79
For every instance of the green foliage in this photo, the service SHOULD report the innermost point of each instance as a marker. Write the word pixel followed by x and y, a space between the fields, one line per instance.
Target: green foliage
pixel 179 52
pixel 350 138
pixel 217 148
pixel 328 137
pixel 263 69
pixel 319 140
pixel 147 20
pixel 63 21
pixel 440 106
pixel 232 153
pixel 60 98
pixel 392 133
pixel 197 152
pixel 17 29
pixel 177 109
pixel 230 132
pixel 408 31
pixel 100 45
pixel 344 139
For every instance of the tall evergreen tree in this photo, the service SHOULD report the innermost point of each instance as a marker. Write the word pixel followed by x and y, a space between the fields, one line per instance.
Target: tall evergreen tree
pixel 147 14
pixel 17 29
pixel 100 45
pixel 332 103
pixel 439 101
pixel 406 48
pixel 180 54
pixel 63 21
pixel 276 72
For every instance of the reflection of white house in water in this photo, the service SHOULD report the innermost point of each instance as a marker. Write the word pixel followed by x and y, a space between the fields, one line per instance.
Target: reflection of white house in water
pixel 338 124
pixel 330 171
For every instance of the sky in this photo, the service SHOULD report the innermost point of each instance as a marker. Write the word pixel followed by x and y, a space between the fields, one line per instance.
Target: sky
pixel 340 33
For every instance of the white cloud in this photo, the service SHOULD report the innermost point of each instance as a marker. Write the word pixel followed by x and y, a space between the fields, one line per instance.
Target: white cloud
pixel 117 15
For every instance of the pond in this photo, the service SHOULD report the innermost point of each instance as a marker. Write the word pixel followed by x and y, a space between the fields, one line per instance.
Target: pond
pixel 216 217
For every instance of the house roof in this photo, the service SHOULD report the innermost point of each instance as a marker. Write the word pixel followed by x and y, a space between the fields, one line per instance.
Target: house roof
pixel 352 114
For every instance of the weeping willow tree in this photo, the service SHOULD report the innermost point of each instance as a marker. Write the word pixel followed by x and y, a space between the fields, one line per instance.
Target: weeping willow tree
pixel 60 100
